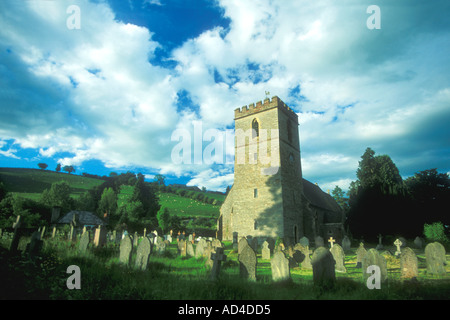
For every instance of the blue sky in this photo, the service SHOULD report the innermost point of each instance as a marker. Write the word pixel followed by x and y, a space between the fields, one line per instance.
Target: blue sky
pixel 109 95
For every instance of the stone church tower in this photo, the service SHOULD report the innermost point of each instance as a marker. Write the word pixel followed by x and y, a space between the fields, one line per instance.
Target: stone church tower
pixel 268 197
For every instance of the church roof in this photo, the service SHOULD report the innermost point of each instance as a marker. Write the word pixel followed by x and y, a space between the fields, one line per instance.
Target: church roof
pixel 84 218
pixel 318 198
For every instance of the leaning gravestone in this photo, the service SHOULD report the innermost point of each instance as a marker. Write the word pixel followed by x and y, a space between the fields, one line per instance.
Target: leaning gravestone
pixel 265 252
pixel 182 248
pixel 242 244
pixel 126 245
pixel 435 257
pixel 304 241
pixel 323 268
pixel 418 242
pixel 143 252
pixel 346 244
pixel 339 258
pixel 360 253
pixel 247 263
pixel 373 257
pixel 190 249
pixel 318 241
pixel 200 248
pixel 409 265
pixel 280 267
pixel 84 242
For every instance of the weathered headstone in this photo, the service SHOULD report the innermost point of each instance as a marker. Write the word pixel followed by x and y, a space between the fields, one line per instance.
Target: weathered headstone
pixel 126 246
pixel 373 257
pixel 242 244
pixel 265 253
pixel 182 247
pixel 16 235
pixel 200 248
pixel 160 247
pixel 323 268
pixel 418 242
pixel 304 241
pixel 84 242
pixel 190 249
pixel 217 259
pixel 409 265
pixel 380 244
pixel 339 258
pixel 318 241
pixel 346 244
pixel 135 239
pixel 100 236
pixel 280 267
pixel 143 252
pixel 247 263
pixel 435 258
pixel 43 232
pixel 306 263
pixel 360 253
pixel 398 243
pixel 54 233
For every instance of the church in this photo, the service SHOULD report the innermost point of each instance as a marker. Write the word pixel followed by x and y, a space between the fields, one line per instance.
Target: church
pixel 269 197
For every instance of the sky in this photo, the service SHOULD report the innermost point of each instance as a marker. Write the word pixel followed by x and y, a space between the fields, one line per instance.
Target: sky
pixel 117 85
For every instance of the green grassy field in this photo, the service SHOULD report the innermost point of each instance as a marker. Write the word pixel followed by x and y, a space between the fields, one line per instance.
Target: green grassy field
pixel 171 277
pixel 29 183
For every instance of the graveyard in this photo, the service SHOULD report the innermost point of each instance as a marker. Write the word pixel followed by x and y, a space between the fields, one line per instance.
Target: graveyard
pixel 148 266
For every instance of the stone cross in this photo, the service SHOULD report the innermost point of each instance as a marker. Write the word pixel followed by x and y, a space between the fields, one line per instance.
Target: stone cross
pixel 217 258
pixel 16 236
pixel 331 241
pixel 380 245
pixel 398 243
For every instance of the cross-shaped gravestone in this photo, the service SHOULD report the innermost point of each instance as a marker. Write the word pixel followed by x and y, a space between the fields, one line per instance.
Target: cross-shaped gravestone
pixel 217 258
pixel 16 236
pixel 398 243
pixel 380 245
pixel 331 241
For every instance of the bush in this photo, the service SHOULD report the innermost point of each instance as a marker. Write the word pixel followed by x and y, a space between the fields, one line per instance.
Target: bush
pixel 435 232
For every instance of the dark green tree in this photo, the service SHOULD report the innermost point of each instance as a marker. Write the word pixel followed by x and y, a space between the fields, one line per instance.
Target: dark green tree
pixel 69 169
pixel 144 193
pixel 108 204
pixel 339 195
pixel 42 165
pixel 58 167
pixel 58 196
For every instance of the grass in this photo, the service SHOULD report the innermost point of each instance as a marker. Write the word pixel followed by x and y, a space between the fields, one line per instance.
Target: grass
pixel 171 277
pixel 186 207
pixel 29 183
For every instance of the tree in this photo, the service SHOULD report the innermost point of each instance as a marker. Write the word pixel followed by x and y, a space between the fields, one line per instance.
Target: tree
pixel 160 179
pixel 435 232
pixel 69 169
pixel 42 166
pixel 58 167
pixel 338 195
pixel 164 220
pixel 108 203
pixel 58 196
pixel 378 200
pixel 144 193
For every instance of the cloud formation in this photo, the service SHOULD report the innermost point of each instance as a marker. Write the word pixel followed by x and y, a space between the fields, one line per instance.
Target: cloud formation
pixel 98 92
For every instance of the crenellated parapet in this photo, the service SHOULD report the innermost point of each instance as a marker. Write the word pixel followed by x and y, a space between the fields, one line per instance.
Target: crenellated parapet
pixel 253 108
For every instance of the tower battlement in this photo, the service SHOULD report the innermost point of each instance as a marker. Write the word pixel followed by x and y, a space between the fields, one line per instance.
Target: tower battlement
pixel 262 106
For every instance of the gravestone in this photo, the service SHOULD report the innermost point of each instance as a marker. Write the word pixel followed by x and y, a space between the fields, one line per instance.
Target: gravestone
pixel 265 252
pixel 190 249
pixel 346 244
pixel 304 241
pixel 199 249
pixel 403 240
pixel 280 267
pixel 217 259
pixel 235 241
pixel 84 242
pixel 331 241
pixel 418 242
pixel 216 244
pixel 306 263
pixel 16 235
pixel 409 265
pixel 373 257
pixel 435 258
pixel 35 246
pixel 182 247
pixel 339 258
pixel 242 244
pixel 143 252
pixel 43 232
pixel 100 236
pixel 247 263
pixel 360 253
pixel 54 233
pixel 380 244
pixel 254 244
pixel 160 247
pixel 398 243
pixel 135 239
pixel 318 241
pixel 126 246
pixel 323 268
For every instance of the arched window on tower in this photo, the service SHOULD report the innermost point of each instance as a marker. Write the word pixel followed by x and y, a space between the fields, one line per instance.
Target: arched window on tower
pixel 255 129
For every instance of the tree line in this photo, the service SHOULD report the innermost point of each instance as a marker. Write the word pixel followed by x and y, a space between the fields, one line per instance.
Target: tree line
pixel 381 202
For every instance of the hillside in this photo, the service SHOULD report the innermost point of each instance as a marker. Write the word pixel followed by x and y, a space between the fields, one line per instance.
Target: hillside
pixel 183 203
